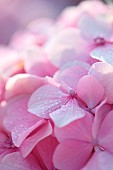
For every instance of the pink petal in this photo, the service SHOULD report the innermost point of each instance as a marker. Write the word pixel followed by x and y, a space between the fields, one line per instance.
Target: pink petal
pixel 29 143
pixel 103 53
pixel 36 62
pixel 14 63
pixel 45 100
pixel 70 73
pixel 46 150
pixel 100 113
pixel 105 135
pixel 14 161
pixel 69 77
pixel 90 91
pixel 19 84
pixel 22 123
pixel 101 160
pixel 64 47
pixel 6 152
pixel 71 155
pixel 67 113
pixel 92 28
pixel 104 73
pixel 80 129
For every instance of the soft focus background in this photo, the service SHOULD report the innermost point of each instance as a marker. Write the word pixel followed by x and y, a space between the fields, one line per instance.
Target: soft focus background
pixel 15 14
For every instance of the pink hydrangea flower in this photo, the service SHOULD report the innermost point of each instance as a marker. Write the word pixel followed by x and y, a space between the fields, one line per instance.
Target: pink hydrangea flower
pixel 69 100
pixel 100 30
pixel 63 47
pixel 83 144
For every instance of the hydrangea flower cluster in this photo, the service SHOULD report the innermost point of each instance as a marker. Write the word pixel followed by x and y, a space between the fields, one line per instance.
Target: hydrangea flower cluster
pixel 56 92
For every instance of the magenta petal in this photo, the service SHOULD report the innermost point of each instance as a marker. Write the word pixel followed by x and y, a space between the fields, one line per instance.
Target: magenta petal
pixel 14 161
pixel 104 73
pixel 71 155
pixel 29 143
pixel 105 135
pixel 45 100
pixel 103 53
pixel 67 113
pixel 101 160
pixel 90 90
pixel 80 129
pixel 22 123
pixel 46 150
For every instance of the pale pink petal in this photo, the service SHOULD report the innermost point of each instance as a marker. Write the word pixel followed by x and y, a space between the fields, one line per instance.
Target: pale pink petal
pixel 37 63
pixel 29 143
pixel 69 77
pixel 80 129
pixel 14 161
pixel 90 91
pixel 101 160
pixel 64 47
pixel 19 121
pixel 14 63
pixel 19 84
pixel 46 150
pixel 104 73
pixel 46 99
pixel 72 155
pixel 92 28
pixel 103 53
pixel 105 135
pixel 70 73
pixel 67 113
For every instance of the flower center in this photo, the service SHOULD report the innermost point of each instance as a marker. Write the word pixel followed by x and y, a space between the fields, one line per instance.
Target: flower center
pixel 97 146
pixel 99 41
pixel 9 143
pixel 72 93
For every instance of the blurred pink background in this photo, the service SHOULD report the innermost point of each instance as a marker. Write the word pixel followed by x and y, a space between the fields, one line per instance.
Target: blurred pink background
pixel 15 14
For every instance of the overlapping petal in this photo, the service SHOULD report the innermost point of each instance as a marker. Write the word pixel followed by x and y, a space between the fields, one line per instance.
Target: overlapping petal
pixel 18 85
pixel 72 154
pixel 101 161
pixel 15 161
pixel 90 90
pixel 47 99
pixel 80 129
pixel 104 72
pixel 38 135
pixel 103 53
pixel 67 113
pixel 96 27
pixel 19 121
